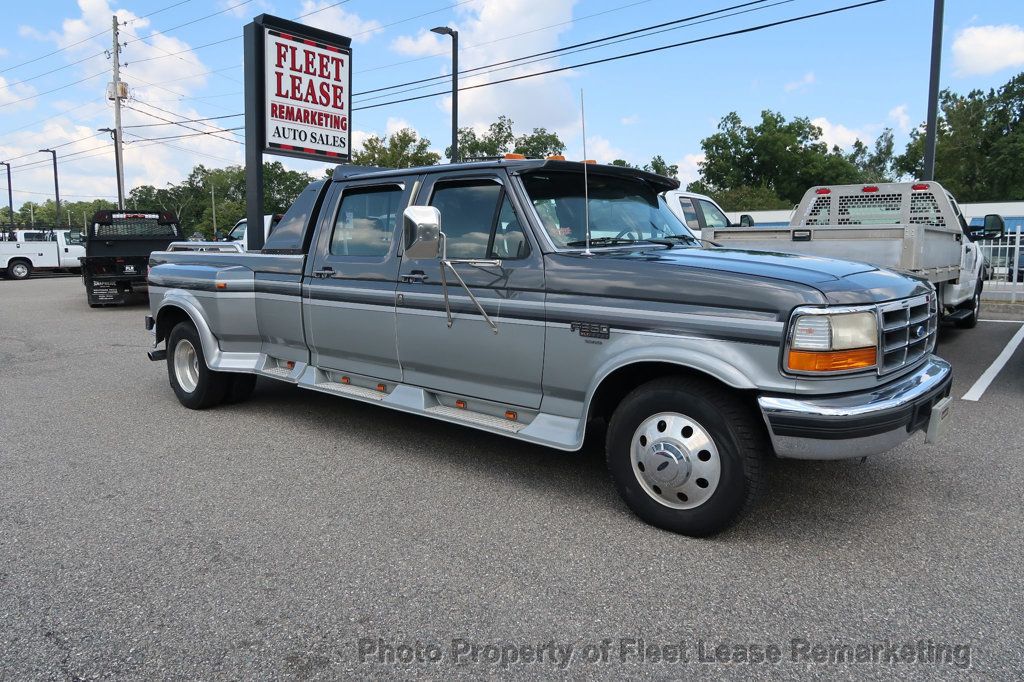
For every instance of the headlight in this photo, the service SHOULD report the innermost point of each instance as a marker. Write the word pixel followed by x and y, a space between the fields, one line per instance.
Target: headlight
pixel 838 342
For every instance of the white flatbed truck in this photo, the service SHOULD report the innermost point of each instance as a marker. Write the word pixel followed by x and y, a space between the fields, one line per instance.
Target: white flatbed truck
pixel 912 227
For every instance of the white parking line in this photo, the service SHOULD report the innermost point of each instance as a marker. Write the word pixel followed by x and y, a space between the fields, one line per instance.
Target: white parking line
pixel 979 387
pixel 1002 321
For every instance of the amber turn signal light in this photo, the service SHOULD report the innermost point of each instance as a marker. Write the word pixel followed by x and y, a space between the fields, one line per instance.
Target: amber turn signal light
pixel 461 404
pixel 832 361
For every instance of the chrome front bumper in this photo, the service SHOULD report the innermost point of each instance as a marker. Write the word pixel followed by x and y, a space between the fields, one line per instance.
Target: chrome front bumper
pixel 857 424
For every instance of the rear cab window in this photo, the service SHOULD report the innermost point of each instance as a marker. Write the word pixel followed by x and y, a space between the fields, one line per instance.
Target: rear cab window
pixel 292 235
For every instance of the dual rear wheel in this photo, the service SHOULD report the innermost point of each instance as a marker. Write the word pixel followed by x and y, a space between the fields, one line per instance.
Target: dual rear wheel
pixel 197 386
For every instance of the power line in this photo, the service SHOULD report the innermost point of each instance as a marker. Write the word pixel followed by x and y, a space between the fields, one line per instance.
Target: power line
pixel 145 16
pixel 47 92
pixel 197 20
pixel 50 54
pixel 317 11
pixel 633 54
pixel 145 41
pixel 59 68
pixel 178 123
pixel 675 24
pixel 56 146
pixel 178 137
pixel 172 113
pixel 447 53
pixel 188 120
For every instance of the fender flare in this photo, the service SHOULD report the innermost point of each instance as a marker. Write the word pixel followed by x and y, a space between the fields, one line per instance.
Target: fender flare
pixel 186 302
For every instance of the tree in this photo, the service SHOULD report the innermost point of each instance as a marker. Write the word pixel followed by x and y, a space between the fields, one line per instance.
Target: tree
pixel 786 157
pixel 539 144
pixel 659 166
pixel 500 139
pixel 980 141
pixel 743 198
pixel 877 164
pixel 404 149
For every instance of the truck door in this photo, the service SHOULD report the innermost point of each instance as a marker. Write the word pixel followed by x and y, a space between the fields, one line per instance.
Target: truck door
pixel 481 220
pixel 969 257
pixel 350 291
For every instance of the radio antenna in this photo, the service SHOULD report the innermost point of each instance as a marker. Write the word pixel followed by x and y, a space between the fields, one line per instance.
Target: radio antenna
pixel 586 190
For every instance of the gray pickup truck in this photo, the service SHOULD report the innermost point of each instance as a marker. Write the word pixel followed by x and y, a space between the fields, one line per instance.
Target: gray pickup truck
pixel 475 294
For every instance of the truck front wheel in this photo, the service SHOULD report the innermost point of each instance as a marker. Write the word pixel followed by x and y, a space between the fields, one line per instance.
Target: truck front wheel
pixel 19 269
pixel 197 386
pixel 686 455
pixel 974 305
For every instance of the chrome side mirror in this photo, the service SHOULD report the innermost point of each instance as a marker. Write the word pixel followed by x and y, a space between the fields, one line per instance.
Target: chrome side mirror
pixel 421 226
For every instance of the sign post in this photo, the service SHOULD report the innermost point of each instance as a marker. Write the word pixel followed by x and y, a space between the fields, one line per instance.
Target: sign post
pixel 298 88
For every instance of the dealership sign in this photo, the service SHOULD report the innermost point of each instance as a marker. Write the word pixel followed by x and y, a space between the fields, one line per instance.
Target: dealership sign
pixel 299 89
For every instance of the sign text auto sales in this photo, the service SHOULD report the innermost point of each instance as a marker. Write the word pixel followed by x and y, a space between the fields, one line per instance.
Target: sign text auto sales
pixel 307 95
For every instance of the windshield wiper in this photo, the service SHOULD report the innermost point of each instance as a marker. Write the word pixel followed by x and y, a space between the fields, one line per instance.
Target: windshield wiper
pixel 671 239
pixel 602 241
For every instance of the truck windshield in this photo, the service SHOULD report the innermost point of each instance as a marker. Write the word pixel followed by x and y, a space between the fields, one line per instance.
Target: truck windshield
pixel 622 210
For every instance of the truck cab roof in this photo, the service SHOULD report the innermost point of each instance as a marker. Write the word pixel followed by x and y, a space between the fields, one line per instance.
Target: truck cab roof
pixel 345 172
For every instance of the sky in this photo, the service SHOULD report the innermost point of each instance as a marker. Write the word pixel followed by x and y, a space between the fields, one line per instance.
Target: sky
pixel 854 73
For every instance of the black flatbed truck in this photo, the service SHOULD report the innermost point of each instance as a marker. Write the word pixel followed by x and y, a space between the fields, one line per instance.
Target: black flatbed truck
pixel 117 248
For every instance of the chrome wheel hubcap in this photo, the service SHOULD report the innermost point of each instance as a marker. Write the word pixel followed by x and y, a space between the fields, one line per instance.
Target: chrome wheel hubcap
pixel 186 365
pixel 675 460
pixel 20 270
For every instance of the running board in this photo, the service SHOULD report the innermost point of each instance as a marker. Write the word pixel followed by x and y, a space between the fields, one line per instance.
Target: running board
pixel 554 431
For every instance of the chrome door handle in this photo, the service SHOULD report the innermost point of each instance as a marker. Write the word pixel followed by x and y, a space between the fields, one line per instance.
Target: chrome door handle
pixel 325 273
pixel 415 276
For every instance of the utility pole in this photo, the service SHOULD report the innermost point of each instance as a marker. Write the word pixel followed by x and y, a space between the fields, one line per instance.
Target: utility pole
pixel 117 91
pixel 10 192
pixel 213 206
pixel 56 185
pixel 931 131
pixel 69 218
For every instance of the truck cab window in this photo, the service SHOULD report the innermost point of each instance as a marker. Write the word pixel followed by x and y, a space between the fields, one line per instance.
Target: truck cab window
pixel 690 213
pixel 474 223
pixel 290 234
pixel 712 215
pixel 365 225
pixel 238 233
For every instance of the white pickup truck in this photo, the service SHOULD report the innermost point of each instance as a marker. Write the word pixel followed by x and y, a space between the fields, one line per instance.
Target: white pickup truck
pixel 700 212
pixel 33 250
pixel 240 235
pixel 912 227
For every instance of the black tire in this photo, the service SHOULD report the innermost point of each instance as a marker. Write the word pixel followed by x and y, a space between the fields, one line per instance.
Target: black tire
pixel 208 387
pixel 736 434
pixel 974 305
pixel 240 388
pixel 19 269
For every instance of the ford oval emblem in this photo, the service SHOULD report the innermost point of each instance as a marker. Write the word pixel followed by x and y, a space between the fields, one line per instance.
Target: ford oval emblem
pixel 920 331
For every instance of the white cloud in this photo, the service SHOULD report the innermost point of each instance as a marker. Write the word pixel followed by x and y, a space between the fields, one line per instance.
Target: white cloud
pixel 394 125
pixel 838 134
pixel 337 20
pixel 900 116
pixel 980 50
pixel 602 151
pixel 424 44
pixel 803 83
pixel 542 101
pixel 689 168
pixel 16 93
pixel 146 53
pixel 629 120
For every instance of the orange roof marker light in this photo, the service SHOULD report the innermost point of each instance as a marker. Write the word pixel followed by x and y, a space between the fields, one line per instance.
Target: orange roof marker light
pixel 515 156
pixel 555 157
pixel 589 161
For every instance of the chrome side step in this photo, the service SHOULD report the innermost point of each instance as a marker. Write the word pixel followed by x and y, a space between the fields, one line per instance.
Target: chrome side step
pixel 350 391
pixel 487 421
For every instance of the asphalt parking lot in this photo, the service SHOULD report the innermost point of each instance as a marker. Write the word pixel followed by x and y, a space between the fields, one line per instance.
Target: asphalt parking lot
pixel 300 536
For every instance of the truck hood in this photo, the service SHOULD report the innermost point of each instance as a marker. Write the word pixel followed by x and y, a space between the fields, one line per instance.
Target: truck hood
pixel 756 280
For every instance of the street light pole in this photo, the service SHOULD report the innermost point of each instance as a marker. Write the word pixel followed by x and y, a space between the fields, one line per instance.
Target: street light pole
pixel 931 132
pixel 56 183
pixel 10 192
pixel 445 30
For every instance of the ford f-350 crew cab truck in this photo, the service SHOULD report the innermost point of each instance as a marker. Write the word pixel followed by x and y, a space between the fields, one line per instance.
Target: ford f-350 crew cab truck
pixel 468 293
pixel 912 227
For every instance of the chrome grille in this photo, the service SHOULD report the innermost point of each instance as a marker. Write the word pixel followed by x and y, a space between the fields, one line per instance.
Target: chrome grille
pixel 908 329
